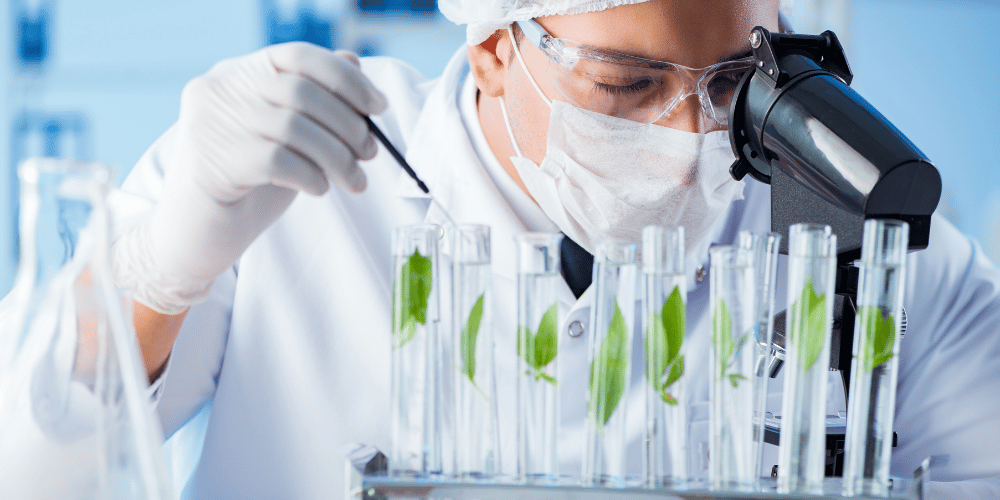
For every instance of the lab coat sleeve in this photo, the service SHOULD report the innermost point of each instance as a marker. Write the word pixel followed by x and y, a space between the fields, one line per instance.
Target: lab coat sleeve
pixel 948 391
pixel 192 371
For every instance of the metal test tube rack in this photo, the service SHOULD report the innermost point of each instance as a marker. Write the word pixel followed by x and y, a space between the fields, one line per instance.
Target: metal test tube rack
pixel 387 488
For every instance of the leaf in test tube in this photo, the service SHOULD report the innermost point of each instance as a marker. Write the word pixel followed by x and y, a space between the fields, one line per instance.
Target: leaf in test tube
pixel 664 337
pixel 546 338
pixel 722 335
pixel 539 349
pixel 811 325
pixel 469 334
pixel 609 370
pixel 880 335
pixel 411 292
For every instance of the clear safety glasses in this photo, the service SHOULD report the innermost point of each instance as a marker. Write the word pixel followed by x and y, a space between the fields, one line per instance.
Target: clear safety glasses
pixel 630 87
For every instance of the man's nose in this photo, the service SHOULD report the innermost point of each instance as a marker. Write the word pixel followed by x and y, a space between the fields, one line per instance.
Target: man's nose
pixel 690 116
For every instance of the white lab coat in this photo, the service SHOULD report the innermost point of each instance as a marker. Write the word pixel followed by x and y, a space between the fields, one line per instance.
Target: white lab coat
pixel 292 347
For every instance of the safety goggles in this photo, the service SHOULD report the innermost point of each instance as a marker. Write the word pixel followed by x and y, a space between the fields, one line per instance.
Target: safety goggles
pixel 634 88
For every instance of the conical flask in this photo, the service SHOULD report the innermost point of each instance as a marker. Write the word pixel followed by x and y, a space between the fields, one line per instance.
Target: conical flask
pixel 75 417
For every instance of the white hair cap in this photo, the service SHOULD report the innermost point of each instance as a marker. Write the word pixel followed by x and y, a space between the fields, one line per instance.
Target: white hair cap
pixel 484 17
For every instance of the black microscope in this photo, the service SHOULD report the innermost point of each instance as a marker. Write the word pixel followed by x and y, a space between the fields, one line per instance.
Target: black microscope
pixel 830 158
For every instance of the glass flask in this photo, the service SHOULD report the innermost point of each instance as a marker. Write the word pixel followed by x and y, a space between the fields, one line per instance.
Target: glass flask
pixel 812 270
pixel 417 353
pixel 732 365
pixel 872 401
pixel 764 248
pixel 477 447
pixel 75 416
pixel 538 282
pixel 612 324
pixel 664 301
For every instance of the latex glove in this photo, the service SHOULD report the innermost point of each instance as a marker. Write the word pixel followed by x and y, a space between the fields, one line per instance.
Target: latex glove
pixel 252 133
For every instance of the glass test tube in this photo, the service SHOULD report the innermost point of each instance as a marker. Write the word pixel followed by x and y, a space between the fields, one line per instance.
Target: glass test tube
pixel 765 262
pixel 538 282
pixel 476 443
pixel 732 365
pixel 812 261
pixel 664 314
pixel 612 320
pixel 416 370
pixel 876 345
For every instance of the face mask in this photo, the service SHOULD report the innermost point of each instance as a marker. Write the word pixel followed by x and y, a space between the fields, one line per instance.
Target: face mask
pixel 609 177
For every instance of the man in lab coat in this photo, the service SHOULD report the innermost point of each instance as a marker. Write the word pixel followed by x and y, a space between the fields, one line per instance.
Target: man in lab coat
pixel 274 306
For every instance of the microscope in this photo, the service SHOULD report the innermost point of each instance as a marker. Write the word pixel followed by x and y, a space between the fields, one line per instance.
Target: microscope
pixel 830 158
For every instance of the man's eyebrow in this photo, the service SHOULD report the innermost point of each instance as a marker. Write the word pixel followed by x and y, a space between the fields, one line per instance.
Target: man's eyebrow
pixel 736 56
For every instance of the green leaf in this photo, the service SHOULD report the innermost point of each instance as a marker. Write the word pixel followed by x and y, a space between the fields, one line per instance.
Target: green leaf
pixel 667 398
pixel 664 336
pixel 411 292
pixel 469 335
pixel 722 335
pixel 609 370
pixel 676 371
pixel 726 348
pixel 545 340
pixel 810 326
pixel 538 350
pixel 673 317
pixel 880 336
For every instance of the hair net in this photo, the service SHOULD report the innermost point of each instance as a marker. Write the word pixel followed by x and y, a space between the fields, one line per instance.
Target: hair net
pixel 484 17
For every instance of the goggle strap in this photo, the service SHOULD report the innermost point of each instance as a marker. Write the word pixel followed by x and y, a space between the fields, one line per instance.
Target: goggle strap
pixel 510 132
pixel 513 43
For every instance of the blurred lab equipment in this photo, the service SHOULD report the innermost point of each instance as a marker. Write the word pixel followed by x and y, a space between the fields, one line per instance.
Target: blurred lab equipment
pixel 73 396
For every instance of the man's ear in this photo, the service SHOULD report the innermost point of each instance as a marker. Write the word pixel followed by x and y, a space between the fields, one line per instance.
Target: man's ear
pixel 488 62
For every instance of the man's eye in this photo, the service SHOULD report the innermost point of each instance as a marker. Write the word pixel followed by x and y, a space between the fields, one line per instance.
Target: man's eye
pixel 632 88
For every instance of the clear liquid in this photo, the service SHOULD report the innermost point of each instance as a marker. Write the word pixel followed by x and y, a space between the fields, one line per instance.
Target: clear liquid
pixel 604 463
pixel 665 461
pixel 475 398
pixel 537 398
pixel 416 420
pixel 873 393
pixel 802 452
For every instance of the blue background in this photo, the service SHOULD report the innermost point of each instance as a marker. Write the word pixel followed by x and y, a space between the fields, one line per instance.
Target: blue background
pixel 118 67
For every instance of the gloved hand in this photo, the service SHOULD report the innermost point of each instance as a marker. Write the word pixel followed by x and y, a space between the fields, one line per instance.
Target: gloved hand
pixel 252 133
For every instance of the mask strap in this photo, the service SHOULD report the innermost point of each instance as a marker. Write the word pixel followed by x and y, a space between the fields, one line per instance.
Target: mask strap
pixel 510 133
pixel 517 52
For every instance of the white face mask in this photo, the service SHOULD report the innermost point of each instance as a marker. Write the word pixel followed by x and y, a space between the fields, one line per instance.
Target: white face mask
pixel 605 176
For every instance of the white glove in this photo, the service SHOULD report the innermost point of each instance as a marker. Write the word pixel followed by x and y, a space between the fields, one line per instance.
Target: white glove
pixel 252 132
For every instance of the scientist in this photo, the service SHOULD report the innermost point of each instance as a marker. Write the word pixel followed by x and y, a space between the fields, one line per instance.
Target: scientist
pixel 274 305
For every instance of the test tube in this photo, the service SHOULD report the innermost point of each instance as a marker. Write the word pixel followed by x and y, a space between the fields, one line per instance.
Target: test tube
pixel 876 346
pixel 812 257
pixel 538 282
pixel 477 449
pixel 765 261
pixel 416 425
pixel 612 323
pixel 664 314
pixel 732 365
